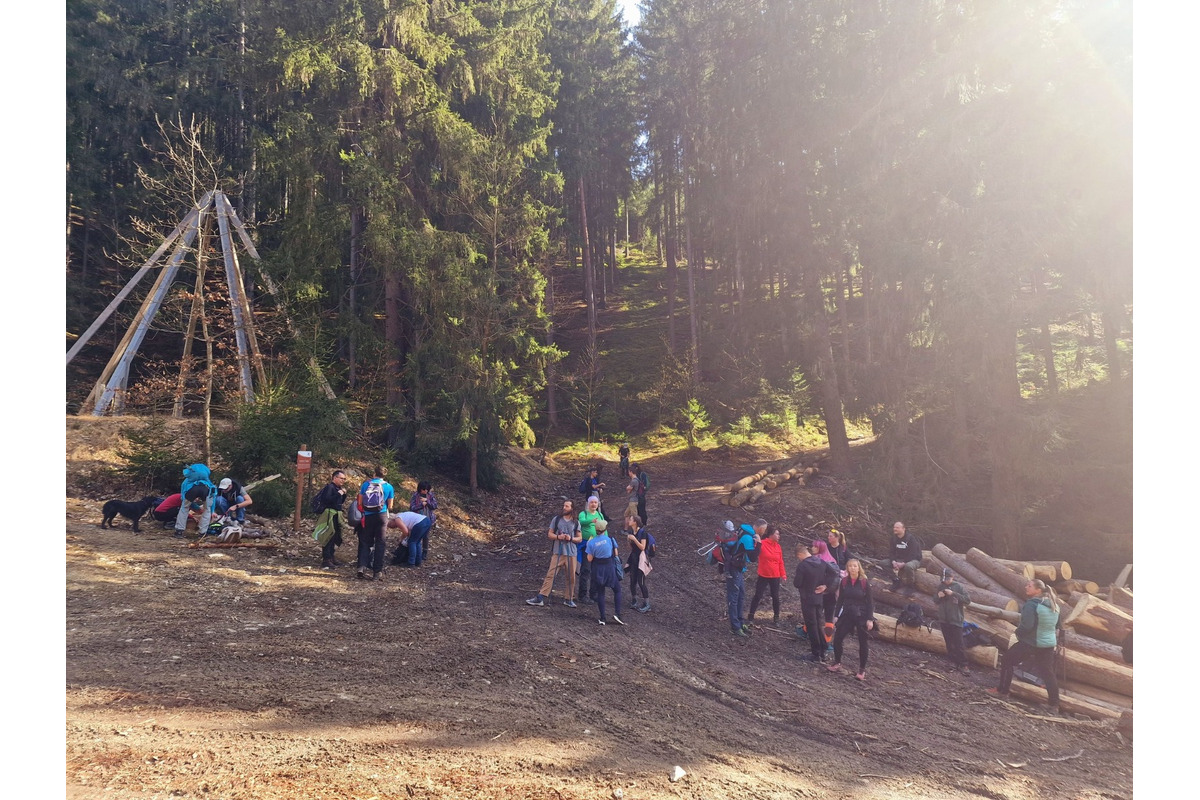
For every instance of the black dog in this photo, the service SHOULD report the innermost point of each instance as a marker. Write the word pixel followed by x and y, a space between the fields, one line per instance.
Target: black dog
pixel 133 511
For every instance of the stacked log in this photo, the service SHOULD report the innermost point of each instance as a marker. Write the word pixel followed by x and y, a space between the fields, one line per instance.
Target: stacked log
pixel 965 571
pixel 1101 620
pixel 930 641
pixel 751 488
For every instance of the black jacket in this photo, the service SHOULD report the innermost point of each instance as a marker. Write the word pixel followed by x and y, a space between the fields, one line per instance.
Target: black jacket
pixel 841 554
pixel 331 497
pixel 906 549
pixel 854 599
pixel 813 572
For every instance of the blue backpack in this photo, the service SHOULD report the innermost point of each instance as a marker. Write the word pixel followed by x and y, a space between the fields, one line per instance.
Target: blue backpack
pixel 650 548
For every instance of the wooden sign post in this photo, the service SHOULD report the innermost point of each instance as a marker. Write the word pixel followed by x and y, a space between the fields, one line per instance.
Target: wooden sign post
pixel 303 467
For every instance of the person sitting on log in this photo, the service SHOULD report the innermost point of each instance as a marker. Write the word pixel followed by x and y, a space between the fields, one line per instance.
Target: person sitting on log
pixel 1037 637
pixel 232 499
pixel 905 558
pixel 952 598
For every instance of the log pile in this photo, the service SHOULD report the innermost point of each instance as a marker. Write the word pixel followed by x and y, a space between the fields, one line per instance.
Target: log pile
pixel 1095 679
pixel 751 488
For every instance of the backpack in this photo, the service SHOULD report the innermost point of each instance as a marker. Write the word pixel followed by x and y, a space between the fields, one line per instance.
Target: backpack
pixel 585 485
pixel 643 483
pixel 973 636
pixel 355 514
pixel 912 616
pixel 198 492
pixel 315 505
pixel 372 497
pixel 650 549
pixel 734 555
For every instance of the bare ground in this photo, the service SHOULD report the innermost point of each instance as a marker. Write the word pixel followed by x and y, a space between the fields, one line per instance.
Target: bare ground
pixel 255 674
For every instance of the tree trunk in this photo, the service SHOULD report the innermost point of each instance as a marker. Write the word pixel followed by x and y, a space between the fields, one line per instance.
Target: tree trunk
pixel 1099 619
pixel 1022 568
pixel 672 268
pixel 1045 342
pixel 1067 702
pixel 1061 569
pixel 552 367
pixel 694 323
pixel 356 226
pixel 968 571
pixel 185 363
pixel 930 641
pixel 824 371
pixel 1003 437
pixel 1012 582
pixel 589 275
pixel 393 333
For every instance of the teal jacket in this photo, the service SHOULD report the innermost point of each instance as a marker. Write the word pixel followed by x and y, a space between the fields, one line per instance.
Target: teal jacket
pixel 1038 623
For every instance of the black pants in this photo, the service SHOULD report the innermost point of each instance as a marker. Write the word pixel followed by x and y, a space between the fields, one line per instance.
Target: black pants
pixel 952 635
pixel 846 624
pixel 761 585
pixel 637 578
pixel 811 610
pixel 581 580
pixel 371 538
pixel 334 542
pixel 830 602
pixel 1043 667
pixel 641 504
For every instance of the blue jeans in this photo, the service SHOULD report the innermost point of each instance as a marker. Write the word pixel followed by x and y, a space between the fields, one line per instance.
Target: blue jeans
pixel 222 505
pixel 735 597
pixel 416 542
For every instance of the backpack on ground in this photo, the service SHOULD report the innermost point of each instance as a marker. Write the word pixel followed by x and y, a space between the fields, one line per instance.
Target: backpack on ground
pixel 973 636
pixel 912 616
pixel 372 497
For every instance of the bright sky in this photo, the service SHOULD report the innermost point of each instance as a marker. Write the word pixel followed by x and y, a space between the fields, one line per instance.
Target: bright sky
pixel 632 14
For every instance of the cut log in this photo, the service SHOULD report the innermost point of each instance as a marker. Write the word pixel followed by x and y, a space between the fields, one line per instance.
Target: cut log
pixel 995 613
pixel 930 585
pixel 1001 574
pixel 1076 585
pixel 998 631
pixel 1068 702
pixel 1124 577
pixel 1094 671
pixel 930 641
pixel 1022 568
pixel 934 565
pixel 746 481
pixel 1097 695
pixel 1074 640
pixel 1122 597
pixel 1061 568
pixel 965 570
pixel 881 593
pixel 1099 619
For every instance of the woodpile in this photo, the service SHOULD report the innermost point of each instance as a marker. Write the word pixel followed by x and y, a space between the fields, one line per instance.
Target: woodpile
pixel 751 488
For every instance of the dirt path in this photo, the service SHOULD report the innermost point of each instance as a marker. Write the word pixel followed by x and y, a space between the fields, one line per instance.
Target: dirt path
pixel 253 674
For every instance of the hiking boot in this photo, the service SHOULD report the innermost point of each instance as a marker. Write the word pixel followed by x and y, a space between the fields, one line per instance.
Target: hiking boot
pixel 376 575
pixel 746 629
pixel 645 608
pixel 570 604
pixel 775 621
pixel 1053 711
pixel 602 622
pixel 741 634
pixel 362 572
pixel 536 601
pixel 617 620
pixel 834 667
pixel 995 692
pixel 862 676
pixel 816 659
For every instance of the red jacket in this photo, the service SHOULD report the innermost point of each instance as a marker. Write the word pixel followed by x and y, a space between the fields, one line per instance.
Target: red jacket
pixel 770 560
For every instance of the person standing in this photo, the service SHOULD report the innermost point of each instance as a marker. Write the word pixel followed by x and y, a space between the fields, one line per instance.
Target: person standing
pixel 643 488
pixel 328 505
pixel 374 498
pixel 587 529
pixel 639 542
pixel 839 548
pixel 602 552
pixel 905 558
pixel 1037 637
pixel 423 502
pixel 951 599
pixel 829 599
pixel 565 533
pixel 736 556
pixel 855 613
pixel 633 486
pixel 414 527
pixel 771 572
pixel 813 578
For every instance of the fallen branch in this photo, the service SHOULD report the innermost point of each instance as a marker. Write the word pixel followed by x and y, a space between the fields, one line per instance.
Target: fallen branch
pixel 1063 758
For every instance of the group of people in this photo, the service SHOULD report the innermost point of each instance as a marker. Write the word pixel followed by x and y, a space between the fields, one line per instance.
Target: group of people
pixel 836 601
pixel 197 494
pixel 588 554
pixel 370 516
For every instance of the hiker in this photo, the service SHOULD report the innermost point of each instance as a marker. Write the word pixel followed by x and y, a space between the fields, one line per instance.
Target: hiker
pixel 196 488
pixel 829 599
pixel 771 572
pixel 736 554
pixel 327 504
pixel 565 533
pixel 639 545
pixel 424 502
pixel 166 511
pixel 589 520
pixel 602 552
pixel 906 558
pixel 855 613
pixel 591 484
pixel 623 452
pixel 813 578
pixel 233 499
pixel 1037 638
pixel 631 492
pixel 839 548
pixel 374 498
pixel 951 599
pixel 643 488
pixel 414 529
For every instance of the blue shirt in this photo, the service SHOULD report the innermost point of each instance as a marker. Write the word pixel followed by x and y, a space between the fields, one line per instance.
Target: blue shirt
pixel 600 547
pixel 388 494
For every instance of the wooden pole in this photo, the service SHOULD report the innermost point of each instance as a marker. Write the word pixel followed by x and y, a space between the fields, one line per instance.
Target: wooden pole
pixel 185 364
pixel 240 283
pixel 236 306
pixel 299 497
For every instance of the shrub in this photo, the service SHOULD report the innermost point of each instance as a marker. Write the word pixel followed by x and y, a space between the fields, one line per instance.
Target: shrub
pixel 153 455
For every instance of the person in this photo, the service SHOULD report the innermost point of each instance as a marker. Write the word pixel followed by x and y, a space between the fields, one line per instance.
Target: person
pixel 631 492
pixel 743 549
pixel 166 511
pixel 424 502
pixel 951 599
pixel 839 548
pixel 623 452
pixel 588 518
pixel 643 487
pixel 905 557
pixel 1037 637
pixel 564 531
pixel 855 612
pixel 639 539
pixel 328 505
pixel 196 489
pixel 591 484
pixel 233 499
pixel 814 577
pixel 602 552
pixel 771 572
pixel 414 527
pixel 374 499
pixel 829 599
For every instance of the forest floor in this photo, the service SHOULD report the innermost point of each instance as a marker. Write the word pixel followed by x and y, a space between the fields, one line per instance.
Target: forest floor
pixel 255 674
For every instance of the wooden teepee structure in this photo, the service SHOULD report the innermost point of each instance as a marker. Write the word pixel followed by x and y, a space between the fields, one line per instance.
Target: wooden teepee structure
pixel 108 395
